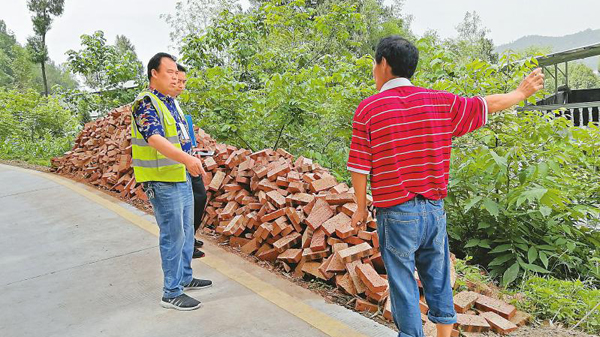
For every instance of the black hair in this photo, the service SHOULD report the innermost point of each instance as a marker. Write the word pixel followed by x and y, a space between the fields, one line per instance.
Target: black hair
pixel 154 62
pixel 400 54
pixel 181 68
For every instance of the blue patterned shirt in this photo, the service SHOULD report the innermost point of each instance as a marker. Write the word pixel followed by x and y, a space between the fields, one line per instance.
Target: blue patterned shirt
pixel 148 122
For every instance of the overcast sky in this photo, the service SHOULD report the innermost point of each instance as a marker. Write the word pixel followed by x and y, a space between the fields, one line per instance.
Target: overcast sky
pixel 139 20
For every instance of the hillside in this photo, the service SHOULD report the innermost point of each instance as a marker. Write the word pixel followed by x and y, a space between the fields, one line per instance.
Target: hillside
pixel 558 43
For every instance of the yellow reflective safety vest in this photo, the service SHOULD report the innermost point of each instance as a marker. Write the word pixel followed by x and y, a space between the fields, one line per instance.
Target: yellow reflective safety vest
pixel 148 163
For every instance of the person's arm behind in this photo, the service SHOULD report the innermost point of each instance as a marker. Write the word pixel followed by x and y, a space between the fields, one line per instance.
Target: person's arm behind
pixel 529 86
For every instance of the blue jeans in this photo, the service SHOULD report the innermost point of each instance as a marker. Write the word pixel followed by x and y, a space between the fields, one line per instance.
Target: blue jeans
pixel 414 234
pixel 173 205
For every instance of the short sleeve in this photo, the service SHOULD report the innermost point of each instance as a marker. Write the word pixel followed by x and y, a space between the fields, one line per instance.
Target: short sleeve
pixel 147 120
pixel 468 114
pixel 360 157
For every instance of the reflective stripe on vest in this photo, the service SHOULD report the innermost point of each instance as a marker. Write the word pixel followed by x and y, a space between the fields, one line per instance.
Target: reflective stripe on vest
pixel 148 163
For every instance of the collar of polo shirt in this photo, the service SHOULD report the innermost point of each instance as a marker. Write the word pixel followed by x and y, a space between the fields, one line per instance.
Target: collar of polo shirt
pixel 396 82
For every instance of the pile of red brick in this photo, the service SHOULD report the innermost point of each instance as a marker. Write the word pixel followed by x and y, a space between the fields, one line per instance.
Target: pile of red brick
pixel 101 155
pixel 289 211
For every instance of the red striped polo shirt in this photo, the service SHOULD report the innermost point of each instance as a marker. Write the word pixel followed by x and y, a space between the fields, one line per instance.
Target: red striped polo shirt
pixel 402 136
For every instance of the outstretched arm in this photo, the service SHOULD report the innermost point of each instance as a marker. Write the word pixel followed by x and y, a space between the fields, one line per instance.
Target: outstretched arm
pixel 529 86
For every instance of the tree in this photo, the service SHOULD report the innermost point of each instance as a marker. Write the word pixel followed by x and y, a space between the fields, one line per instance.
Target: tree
pixel 103 66
pixel 43 12
pixel 472 41
pixel 105 69
pixel 193 16
pixel 582 77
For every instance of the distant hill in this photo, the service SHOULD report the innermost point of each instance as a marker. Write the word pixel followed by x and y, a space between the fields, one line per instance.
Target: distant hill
pixel 558 43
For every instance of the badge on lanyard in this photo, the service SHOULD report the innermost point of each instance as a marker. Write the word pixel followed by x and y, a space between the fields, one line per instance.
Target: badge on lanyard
pixel 184 131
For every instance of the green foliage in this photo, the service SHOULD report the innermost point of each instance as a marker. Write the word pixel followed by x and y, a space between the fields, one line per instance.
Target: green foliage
pixel 567 302
pixel 522 191
pixel 282 75
pixel 106 69
pixel 17 71
pixel 42 16
pixel 469 275
pixel 32 127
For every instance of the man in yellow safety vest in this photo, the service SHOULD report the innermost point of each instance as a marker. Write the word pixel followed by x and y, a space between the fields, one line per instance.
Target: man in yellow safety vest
pixel 162 162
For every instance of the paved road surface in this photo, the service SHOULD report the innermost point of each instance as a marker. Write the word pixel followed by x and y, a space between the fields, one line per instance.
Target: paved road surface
pixel 76 262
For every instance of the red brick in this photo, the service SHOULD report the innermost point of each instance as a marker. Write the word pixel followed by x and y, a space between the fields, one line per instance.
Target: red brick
pixel 502 308
pixel 302 198
pixel 323 268
pixel 276 199
pixel 464 301
pixel 340 199
pixel 499 324
pixel 355 252
pixel 229 210
pixel 521 318
pixel 362 305
pixel 358 283
pixel 217 180
pixel 340 188
pixel 268 255
pixel 365 235
pixel 291 255
pixel 311 255
pixel 349 209
pixel 345 230
pixel 232 187
pixel 312 268
pixel 471 323
pixel 319 214
pixel 210 164
pixel 318 241
pixel 279 226
pixel 287 242
pixel 322 184
pixel 345 282
pixel 296 187
pixel 354 240
pixel 337 221
pixel 336 265
pixel 307 237
pixel 387 310
pixel 336 247
pixel 378 297
pixel 370 278
pixel 233 225
pixel 238 242
pixel 273 215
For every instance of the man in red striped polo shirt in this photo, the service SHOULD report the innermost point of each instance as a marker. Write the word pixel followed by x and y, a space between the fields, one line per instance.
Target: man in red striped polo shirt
pixel 402 138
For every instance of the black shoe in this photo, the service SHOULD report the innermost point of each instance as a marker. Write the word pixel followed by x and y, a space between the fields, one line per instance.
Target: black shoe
pixel 198 284
pixel 197 254
pixel 198 243
pixel 182 302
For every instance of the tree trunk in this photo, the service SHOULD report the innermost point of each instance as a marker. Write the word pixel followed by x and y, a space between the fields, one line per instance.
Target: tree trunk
pixel 44 66
pixel 44 77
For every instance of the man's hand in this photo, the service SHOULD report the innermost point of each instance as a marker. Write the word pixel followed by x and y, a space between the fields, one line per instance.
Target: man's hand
pixel 194 166
pixel 361 216
pixel 531 84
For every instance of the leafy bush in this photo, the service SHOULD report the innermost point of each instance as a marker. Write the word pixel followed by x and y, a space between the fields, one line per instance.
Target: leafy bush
pixel 567 302
pixel 34 128
pixel 520 192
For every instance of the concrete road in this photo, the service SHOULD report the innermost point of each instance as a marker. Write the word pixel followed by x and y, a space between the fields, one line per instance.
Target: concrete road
pixel 77 262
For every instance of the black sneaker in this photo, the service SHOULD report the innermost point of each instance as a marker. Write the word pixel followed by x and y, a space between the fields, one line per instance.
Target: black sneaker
pixel 197 254
pixel 182 302
pixel 198 284
pixel 198 243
